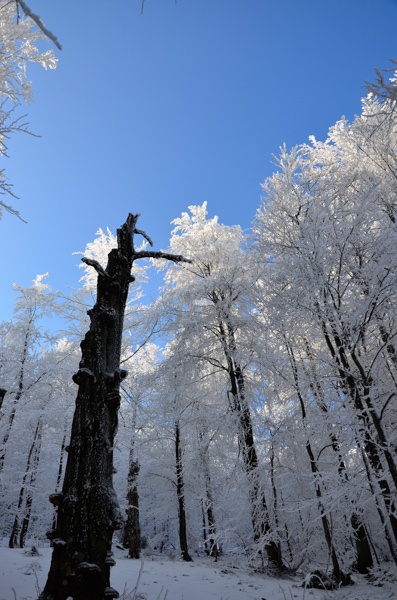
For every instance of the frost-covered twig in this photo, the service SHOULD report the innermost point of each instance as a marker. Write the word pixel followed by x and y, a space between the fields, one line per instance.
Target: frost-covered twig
pixel 382 90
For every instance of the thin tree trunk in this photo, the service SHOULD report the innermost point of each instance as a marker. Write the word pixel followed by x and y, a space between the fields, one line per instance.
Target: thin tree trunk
pixel 337 573
pixel 132 530
pixel 88 510
pixel 213 546
pixel 2 394
pixel 275 499
pixel 382 517
pixel 207 503
pixel 364 560
pixel 259 510
pixel 181 496
pixel 365 414
pixel 59 477
pixel 31 469
pixel 205 534
pixel 18 395
pixel 262 529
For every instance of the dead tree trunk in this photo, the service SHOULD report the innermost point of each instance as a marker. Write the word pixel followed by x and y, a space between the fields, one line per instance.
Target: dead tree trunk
pixel 88 510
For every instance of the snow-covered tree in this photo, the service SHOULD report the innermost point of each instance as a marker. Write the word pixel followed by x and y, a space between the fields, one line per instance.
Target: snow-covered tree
pixel 35 370
pixel 19 40
pixel 209 302
pixel 326 242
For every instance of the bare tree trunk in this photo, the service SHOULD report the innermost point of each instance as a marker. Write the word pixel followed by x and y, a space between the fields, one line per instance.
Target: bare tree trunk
pixel 259 510
pixel 262 529
pixel 19 393
pixel 88 510
pixel 383 519
pixel 181 496
pixel 59 477
pixel 132 531
pixel 364 560
pixel 337 573
pixel 211 547
pixel 275 499
pixel 367 418
pixel 2 394
pixel 31 470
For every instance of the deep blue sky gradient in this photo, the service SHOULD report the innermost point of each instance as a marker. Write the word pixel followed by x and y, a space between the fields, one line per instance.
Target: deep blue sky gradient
pixel 185 103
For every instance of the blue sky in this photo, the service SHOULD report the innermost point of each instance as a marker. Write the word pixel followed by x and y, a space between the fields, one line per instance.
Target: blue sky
pixel 153 112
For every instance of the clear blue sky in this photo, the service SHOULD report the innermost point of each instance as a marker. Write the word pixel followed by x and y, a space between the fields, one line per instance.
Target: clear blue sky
pixel 151 113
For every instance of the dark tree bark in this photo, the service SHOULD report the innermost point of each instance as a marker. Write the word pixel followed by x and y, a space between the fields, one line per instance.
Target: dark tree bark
pixel 359 396
pixel 262 529
pixel 88 510
pixel 59 477
pixel 364 560
pixel 2 394
pixel 132 530
pixel 19 528
pixel 181 496
pixel 18 395
pixel 259 509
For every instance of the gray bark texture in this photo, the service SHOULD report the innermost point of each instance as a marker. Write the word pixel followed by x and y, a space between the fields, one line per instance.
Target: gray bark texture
pixel 88 511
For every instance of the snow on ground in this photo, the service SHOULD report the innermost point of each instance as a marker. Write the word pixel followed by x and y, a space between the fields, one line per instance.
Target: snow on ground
pixel 163 578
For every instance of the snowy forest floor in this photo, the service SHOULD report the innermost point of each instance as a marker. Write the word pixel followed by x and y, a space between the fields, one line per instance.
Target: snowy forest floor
pixel 164 578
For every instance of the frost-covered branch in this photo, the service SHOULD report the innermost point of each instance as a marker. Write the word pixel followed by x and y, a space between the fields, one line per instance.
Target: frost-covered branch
pixel 95 264
pixel 148 337
pixel 39 23
pixel 18 42
pixel 380 89
pixel 145 235
pixel 166 255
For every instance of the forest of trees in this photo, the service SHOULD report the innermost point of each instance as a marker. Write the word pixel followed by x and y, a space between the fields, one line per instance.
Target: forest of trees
pixel 258 414
pixel 257 394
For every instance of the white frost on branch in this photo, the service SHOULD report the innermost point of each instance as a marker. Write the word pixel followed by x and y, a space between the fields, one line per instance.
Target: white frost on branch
pixel 39 23
pixel 18 44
